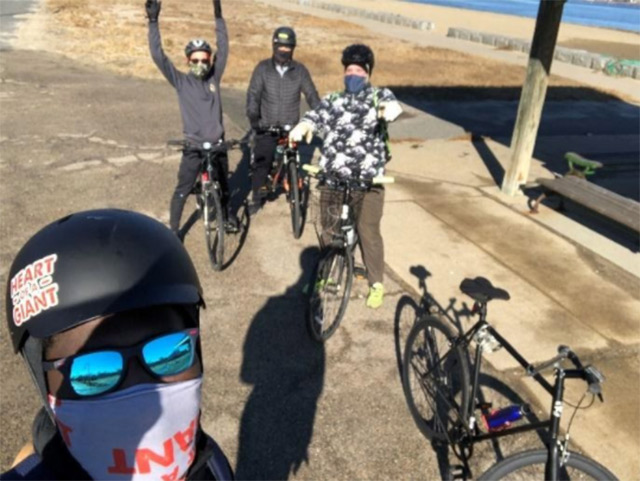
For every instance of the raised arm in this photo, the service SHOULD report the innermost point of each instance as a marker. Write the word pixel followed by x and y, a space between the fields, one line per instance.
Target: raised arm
pixel 155 44
pixel 222 41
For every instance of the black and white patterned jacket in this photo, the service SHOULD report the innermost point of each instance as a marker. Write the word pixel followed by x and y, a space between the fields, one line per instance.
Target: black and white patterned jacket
pixel 354 144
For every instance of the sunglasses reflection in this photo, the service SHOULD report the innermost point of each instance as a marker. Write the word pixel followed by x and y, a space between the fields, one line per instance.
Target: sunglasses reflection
pixel 167 355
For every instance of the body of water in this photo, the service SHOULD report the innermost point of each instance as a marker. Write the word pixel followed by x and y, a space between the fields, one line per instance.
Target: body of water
pixel 594 14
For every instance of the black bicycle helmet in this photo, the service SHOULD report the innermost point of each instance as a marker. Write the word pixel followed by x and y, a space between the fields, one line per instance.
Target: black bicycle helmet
pixel 197 45
pixel 92 264
pixel 358 54
pixel 284 36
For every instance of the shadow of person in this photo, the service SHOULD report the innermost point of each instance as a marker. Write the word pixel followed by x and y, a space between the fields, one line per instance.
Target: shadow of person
pixel 286 368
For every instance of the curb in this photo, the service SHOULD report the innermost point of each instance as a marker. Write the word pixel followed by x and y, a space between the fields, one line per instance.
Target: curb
pixel 581 58
pixel 383 17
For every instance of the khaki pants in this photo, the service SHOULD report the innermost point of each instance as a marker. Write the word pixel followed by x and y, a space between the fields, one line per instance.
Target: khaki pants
pixel 370 235
pixel 368 210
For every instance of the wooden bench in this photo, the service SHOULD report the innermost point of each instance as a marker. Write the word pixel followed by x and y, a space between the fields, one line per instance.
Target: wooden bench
pixel 576 187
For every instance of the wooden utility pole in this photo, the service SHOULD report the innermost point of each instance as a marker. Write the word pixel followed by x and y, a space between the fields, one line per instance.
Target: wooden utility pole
pixel 533 94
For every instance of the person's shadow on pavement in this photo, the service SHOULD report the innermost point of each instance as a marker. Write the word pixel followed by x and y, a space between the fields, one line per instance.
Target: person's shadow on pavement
pixel 286 368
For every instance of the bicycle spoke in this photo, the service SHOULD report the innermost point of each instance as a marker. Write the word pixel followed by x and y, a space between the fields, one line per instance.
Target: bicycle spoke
pixel 434 378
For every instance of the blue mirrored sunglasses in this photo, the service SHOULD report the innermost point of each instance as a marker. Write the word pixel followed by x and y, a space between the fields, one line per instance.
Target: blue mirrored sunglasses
pixel 98 372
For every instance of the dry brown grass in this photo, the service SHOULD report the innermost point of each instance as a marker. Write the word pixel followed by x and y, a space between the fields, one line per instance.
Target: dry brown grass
pixel 114 35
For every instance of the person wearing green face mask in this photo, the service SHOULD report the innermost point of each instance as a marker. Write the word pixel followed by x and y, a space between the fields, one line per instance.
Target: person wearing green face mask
pixel 200 106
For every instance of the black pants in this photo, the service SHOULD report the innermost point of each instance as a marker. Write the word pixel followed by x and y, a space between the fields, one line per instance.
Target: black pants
pixel 187 175
pixel 263 152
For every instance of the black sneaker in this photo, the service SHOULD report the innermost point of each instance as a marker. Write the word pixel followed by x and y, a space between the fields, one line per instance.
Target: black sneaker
pixel 231 225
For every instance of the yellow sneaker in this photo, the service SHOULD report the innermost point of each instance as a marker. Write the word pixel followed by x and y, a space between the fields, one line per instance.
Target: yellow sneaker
pixel 376 295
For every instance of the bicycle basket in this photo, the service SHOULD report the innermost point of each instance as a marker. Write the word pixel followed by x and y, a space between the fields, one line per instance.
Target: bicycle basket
pixel 326 212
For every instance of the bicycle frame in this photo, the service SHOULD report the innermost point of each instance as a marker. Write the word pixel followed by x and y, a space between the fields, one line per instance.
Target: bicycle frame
pixel 552 425
pixel 285 153
pixel 210 170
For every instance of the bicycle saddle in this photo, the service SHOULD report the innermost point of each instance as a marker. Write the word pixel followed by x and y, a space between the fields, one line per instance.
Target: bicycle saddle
pixel 481 290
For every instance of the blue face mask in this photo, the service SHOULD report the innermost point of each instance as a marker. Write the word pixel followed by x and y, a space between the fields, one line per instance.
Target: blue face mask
pixel 354 83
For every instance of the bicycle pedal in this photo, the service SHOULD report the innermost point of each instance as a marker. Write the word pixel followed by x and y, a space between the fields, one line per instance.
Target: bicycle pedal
pixel 458 472
pixel 359 273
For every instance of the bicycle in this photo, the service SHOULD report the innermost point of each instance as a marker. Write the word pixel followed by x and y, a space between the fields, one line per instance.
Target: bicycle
pixel 208 194
pixel 286 173
pixel 442 394
pixel 340 200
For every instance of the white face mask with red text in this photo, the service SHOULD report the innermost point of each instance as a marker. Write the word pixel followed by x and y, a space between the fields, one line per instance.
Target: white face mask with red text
pixel 145 432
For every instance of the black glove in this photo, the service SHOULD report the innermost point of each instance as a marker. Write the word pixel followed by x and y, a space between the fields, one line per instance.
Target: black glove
pixel 255 124
pixel 153 9
pixel 217 9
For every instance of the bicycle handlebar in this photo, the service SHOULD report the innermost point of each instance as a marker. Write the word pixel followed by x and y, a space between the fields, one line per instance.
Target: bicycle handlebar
pixel 591 375
pixel 563 353
pixel 221 146
pixel 280 130
pixel 317 172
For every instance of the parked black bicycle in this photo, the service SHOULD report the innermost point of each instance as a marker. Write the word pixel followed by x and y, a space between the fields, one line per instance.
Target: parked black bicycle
pixel 338 208
pixel 208 196
pixel 442 393
pixel 286 176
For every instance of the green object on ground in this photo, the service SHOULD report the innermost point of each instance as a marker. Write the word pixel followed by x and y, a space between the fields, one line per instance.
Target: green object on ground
pixel 588 167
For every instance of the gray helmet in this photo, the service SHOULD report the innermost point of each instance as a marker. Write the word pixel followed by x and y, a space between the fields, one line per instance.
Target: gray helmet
pixel 92 264
pixel 284 36
pixel 197 45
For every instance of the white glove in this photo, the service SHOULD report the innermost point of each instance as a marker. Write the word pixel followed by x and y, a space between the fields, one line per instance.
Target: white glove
pixel 303 129
pixel 389 111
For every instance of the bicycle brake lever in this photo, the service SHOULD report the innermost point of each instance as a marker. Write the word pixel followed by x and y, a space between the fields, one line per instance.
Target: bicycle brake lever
pixel 594 379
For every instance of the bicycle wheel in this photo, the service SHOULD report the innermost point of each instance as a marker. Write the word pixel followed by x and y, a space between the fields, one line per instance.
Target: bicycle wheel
pixel 330 295
pixel 295 200
pixel 408 313
pixel 435 379
pixel 213 225
pixel 530 465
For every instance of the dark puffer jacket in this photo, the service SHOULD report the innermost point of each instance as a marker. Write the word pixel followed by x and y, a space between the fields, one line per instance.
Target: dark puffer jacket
pixel 273 99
